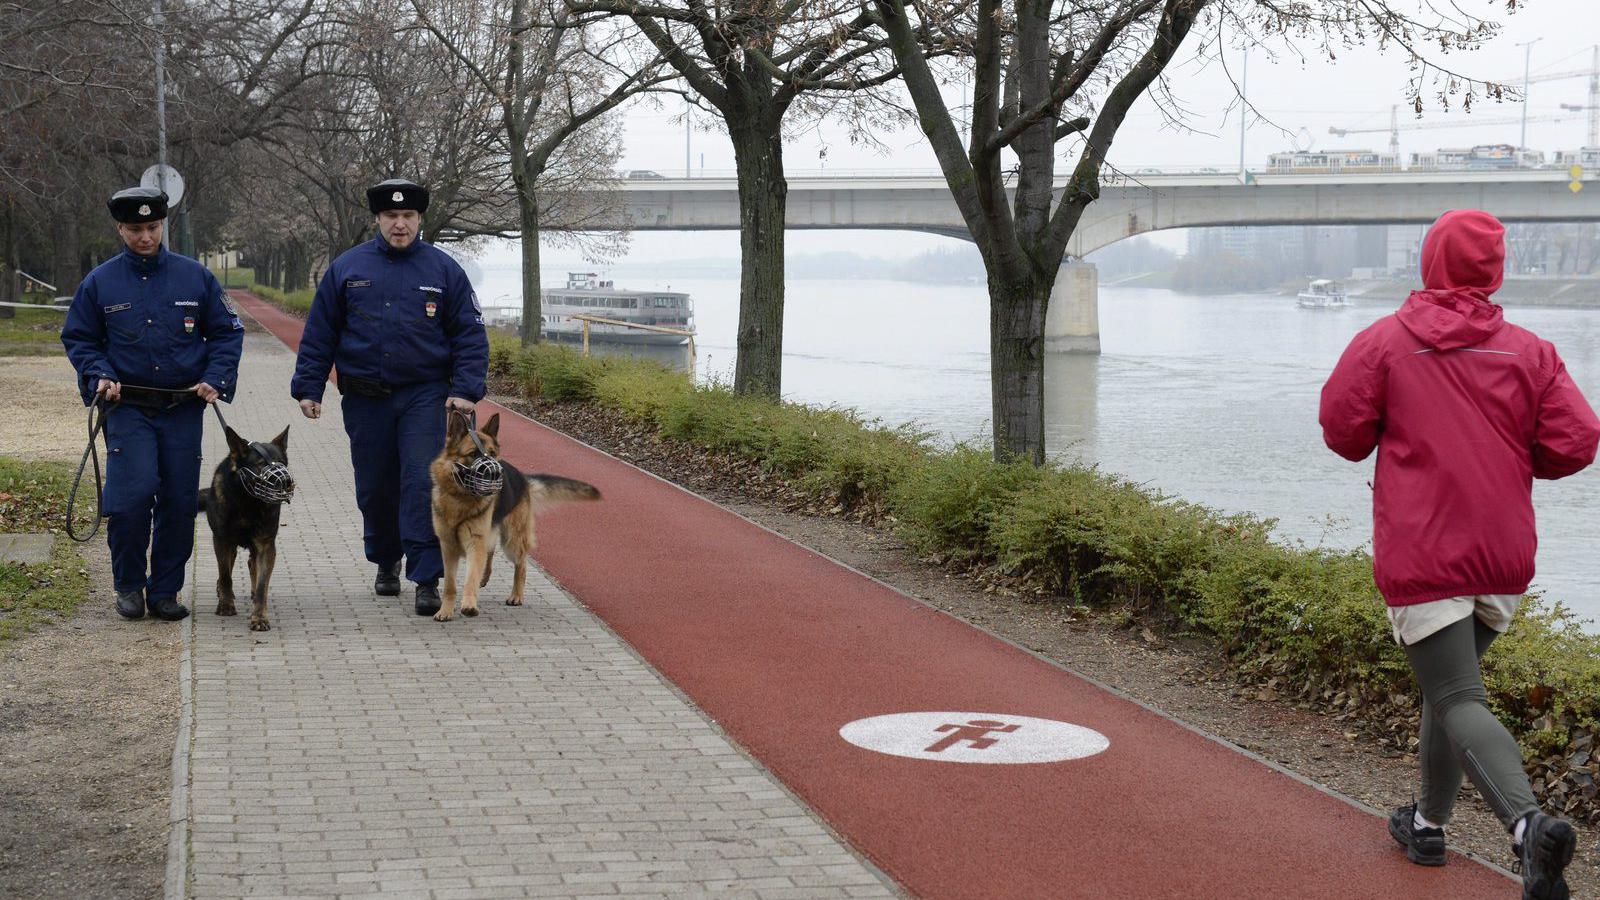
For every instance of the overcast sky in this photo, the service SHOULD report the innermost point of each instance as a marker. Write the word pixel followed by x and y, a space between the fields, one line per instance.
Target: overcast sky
pixel 1301 97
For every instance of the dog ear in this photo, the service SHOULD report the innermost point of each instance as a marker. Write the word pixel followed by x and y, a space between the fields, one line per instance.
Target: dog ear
pixel 454 428
pixel 237 446
pixel 492 427
pixel 282 441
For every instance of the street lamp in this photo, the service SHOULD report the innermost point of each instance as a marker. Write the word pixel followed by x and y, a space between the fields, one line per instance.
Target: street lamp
pixel 1527 57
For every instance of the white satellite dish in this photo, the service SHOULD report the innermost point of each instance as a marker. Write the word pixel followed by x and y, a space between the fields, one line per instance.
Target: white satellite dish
pixel 172 182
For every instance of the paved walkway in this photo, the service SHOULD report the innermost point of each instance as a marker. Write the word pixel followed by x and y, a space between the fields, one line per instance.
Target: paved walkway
pixel 398 753
pixel 358 749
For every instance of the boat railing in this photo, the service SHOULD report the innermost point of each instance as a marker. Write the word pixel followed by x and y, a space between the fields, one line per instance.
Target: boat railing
pixel 659 329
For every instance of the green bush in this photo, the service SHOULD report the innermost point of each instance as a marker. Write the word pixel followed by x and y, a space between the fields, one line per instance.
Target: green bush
pixel 298 302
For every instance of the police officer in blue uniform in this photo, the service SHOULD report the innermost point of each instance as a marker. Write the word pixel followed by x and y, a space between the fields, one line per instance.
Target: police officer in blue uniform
pixel 398 318
pixel 150 331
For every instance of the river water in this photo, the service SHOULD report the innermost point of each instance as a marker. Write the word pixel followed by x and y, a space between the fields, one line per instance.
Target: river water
pixel 1208 398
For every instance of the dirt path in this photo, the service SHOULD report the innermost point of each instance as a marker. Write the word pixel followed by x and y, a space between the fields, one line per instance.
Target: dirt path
pixel 88 705
pixel 42 410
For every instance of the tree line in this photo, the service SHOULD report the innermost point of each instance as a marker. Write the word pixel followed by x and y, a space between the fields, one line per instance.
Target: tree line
pixel 281 112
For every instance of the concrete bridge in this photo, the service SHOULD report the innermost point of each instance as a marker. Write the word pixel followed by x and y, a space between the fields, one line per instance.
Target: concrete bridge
pixel 1129 205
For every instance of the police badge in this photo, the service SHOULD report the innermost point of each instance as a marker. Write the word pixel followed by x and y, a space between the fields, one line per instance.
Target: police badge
pixel 431 308
pixel 398 197
pixel 188 324
pixel 144 210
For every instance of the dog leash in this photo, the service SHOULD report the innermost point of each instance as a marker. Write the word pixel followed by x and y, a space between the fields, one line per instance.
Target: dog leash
pixel 97 425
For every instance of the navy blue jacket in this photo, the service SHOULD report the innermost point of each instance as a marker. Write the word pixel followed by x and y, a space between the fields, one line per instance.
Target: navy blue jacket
pixel 154 321
pixel 403 316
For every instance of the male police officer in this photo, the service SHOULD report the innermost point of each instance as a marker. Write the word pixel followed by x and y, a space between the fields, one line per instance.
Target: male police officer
pixel 149 330
pixel 399 319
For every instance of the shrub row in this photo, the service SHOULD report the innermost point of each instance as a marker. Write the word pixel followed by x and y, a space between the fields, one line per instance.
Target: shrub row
pixel 1307 622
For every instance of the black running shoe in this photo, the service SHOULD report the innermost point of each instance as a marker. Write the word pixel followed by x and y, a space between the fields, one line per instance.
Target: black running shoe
pixel 387 584
pixel 1546 849
pixel 1424 846
pixel 427 599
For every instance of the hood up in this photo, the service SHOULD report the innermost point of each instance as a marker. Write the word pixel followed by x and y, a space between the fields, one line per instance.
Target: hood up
pixel 1463 262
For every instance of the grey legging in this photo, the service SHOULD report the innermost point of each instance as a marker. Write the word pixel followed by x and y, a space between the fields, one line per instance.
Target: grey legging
pixel 1459 731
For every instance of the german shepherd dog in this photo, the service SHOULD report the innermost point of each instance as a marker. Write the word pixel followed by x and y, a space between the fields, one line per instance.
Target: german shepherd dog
pixel 466 522
pixel 238 519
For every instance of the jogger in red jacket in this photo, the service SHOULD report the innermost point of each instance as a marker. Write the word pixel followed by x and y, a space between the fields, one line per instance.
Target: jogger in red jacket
pixel 1465 410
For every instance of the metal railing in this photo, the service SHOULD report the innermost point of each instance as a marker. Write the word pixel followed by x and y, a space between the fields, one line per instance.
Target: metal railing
pixel 659 329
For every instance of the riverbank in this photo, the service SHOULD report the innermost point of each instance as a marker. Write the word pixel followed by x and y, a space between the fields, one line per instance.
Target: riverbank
pixel 1184 674
pixel 1566 293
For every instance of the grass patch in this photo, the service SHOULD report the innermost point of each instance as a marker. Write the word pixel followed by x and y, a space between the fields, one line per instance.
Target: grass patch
pixel 235 276
pixel 33 498
pixel 1307 623
pixel 32 333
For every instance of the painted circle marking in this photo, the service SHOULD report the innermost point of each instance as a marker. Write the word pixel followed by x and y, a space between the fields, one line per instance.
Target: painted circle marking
pixel 974 737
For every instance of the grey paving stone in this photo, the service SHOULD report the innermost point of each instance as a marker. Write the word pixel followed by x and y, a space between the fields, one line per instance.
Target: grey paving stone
pixel 359 750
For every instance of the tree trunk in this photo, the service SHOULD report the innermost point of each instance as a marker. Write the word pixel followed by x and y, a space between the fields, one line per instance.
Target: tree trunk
pixel 64 266
pixel 8 265
pixel 532 299
pixel 1016 367
pixel 763 200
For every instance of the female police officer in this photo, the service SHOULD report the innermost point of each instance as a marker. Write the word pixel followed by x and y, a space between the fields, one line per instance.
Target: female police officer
pixel 399 319
pixel 149 330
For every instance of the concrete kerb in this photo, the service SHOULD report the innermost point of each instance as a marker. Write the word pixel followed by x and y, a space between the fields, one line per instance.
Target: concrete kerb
pixel 176 886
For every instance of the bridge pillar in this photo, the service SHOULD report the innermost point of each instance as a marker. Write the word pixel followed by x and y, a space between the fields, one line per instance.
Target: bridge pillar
pixel 1072 323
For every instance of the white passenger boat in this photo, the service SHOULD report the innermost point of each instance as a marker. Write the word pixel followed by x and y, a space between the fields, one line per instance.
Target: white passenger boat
pixel 1323 293
pixel 587 295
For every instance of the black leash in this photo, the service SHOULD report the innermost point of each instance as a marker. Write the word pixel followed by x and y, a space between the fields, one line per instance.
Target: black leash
pixel 97 425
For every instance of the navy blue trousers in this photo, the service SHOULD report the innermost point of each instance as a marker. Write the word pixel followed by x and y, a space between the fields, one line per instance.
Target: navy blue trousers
pixel 392 441
pixel 152 478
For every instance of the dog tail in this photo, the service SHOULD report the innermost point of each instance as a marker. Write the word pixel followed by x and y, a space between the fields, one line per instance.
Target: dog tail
pixel 544 490
pixel 205 497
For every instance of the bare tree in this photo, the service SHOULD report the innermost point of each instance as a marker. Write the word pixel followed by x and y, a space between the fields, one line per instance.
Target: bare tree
pixel 1046 72
pixel 553 73
pixel 755 62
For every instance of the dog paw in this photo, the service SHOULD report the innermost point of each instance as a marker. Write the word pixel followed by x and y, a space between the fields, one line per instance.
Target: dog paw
pixel 226 610
pixel 469 611
pixel 513 601
pixel 442 616
pixel 259 625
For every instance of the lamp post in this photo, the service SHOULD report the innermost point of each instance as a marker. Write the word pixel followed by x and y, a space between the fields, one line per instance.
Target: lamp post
pixel 1527 57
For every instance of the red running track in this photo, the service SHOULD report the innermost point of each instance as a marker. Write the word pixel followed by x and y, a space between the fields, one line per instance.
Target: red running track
pixel 782 647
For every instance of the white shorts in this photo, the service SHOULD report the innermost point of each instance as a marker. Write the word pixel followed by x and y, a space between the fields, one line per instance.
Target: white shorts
pixel 1417 621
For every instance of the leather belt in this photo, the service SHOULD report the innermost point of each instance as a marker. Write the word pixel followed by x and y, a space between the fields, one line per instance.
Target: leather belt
pixel 157 399
pixel 361 387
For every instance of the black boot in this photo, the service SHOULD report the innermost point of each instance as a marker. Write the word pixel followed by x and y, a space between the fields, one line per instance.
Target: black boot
pixel 427 599
pixel 168 609
pixel 387 584
pixel 130 604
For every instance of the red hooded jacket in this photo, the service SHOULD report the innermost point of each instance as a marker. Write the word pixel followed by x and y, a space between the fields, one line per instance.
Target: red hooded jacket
pixel 1465 409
